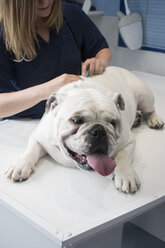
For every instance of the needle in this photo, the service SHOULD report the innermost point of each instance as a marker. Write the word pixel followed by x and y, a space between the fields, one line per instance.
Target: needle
pixel 87 73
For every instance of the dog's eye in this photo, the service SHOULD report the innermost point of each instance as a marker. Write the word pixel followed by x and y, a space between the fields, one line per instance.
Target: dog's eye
pixel 113 123
pixel 78 121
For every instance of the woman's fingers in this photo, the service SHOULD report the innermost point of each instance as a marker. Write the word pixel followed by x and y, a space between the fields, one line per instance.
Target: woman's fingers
pixel 94 65
pixel 85 67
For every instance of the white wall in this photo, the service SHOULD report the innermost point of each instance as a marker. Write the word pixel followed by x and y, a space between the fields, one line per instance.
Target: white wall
pixel 108 27
pixel 146 61
pixel 110 7
pixel 140 60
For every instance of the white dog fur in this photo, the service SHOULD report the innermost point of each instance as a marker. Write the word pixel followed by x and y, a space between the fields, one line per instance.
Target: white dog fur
pixel 109 102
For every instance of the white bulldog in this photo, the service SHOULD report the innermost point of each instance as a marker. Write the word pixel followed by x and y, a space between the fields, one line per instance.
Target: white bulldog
pixel 88 124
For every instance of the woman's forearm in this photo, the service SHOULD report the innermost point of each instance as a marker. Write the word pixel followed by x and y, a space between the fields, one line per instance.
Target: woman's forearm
pixel 15 102
pixel 105 55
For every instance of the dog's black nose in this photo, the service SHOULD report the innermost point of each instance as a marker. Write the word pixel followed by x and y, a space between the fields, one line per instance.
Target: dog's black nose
pixel 97 139
pixel 98 132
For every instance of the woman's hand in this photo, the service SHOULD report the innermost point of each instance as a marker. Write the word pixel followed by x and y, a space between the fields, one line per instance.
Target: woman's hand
pixel 94 65
pixel 97 64
pixel 53 85
pixel 66 79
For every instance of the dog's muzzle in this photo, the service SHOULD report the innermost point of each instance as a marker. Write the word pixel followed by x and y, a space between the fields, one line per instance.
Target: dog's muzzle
pixel 96 157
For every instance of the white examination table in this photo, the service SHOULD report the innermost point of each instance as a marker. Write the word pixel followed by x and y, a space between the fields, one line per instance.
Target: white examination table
pixel 62 207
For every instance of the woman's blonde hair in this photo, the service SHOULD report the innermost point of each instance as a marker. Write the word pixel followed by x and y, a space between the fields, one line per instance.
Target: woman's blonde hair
pixel 18 18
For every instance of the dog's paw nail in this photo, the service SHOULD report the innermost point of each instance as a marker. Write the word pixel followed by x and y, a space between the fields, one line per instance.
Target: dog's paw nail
pixel 120 189
pixel 133 190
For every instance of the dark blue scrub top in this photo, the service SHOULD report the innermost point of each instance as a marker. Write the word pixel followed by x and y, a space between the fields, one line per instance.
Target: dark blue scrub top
pixel 77 40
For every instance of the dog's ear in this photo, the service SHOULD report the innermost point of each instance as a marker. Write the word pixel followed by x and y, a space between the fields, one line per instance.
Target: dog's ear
pixel 119 101
pixel 51 103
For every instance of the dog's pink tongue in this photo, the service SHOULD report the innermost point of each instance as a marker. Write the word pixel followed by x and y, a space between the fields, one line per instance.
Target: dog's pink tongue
pixel 101 163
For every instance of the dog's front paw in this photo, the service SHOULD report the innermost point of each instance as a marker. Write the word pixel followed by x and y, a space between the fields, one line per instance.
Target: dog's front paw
pixel 126 180
pixel 20 172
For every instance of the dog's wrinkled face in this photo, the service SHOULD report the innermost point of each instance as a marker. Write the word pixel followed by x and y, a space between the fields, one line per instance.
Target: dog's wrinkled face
pixel 88 125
